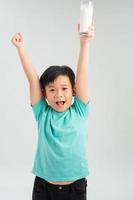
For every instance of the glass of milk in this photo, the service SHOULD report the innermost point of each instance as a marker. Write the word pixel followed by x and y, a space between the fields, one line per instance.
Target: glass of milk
pixel 86 15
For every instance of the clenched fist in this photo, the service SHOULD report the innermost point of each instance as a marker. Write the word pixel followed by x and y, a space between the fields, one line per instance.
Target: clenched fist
pixel 18 40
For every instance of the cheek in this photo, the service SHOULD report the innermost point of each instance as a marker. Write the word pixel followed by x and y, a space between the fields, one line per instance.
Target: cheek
pixel 69 95
pixel 48 96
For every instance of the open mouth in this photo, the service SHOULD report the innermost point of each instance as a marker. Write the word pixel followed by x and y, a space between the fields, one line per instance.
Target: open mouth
pixel 59 103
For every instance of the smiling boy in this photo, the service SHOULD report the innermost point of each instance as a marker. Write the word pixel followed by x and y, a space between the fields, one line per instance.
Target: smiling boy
pixel 60 161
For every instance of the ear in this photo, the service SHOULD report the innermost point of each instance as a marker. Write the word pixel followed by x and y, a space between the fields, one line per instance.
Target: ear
pixel 43 93
pixel 74 91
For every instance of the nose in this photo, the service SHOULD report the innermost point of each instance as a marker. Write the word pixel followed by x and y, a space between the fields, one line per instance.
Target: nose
pixel 58 94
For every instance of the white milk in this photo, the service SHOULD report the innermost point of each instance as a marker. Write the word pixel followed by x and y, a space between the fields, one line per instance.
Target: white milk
pixel 86 15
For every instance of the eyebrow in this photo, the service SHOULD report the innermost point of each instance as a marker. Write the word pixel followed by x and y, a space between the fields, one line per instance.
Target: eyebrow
pixel 49 86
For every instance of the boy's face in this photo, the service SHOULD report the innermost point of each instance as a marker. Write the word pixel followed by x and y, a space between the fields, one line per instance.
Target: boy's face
pixel 59 93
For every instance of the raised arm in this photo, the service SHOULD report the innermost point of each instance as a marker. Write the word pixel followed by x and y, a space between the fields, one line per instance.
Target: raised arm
pixel 82 85
pixel 30 72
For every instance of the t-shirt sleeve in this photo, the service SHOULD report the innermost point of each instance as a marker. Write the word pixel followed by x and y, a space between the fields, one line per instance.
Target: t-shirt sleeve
pixel 80 107
pixel 39 108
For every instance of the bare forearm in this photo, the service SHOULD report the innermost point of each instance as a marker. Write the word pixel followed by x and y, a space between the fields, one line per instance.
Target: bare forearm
pixel 82 86
pixel 83 61
pixel 27 65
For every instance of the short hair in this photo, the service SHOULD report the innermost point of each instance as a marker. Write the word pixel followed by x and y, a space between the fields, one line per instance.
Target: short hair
pixel 52 72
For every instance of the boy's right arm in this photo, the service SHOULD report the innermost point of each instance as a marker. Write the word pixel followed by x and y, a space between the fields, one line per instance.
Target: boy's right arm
pixel 33 79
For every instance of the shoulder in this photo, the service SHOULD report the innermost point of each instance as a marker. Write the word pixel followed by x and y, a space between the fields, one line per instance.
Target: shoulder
pixel 80 106
pixel 39 108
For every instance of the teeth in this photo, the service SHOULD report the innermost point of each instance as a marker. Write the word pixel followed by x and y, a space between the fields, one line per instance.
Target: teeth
pixel 60 102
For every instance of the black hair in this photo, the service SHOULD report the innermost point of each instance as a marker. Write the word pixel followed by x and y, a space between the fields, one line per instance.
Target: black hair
pixel 52 72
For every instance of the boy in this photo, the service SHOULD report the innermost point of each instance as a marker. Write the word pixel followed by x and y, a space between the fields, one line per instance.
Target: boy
pixel 60 164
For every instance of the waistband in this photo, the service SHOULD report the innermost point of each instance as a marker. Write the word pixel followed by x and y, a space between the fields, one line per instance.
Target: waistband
pixel 78 183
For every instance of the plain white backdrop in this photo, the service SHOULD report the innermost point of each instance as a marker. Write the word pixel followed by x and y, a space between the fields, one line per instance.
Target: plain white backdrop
pixel 50 31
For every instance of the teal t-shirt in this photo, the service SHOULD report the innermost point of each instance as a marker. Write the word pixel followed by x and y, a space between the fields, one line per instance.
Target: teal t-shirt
pixel 61 153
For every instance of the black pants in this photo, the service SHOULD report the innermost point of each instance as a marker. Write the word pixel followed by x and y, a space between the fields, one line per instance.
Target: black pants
pixel 43 190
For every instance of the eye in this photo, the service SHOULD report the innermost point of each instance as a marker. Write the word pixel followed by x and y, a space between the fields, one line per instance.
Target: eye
pixel 64 88
pixel 51 90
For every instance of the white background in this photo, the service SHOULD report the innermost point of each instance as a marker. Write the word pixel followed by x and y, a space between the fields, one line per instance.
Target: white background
pixel 50 31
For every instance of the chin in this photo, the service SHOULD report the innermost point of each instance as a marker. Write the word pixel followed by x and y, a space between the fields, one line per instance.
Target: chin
pixel 61 109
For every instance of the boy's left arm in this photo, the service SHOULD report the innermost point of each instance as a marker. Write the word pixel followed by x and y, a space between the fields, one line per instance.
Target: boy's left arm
pixel 82 86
